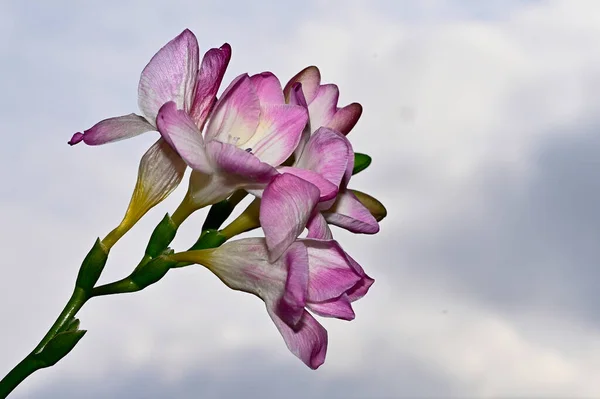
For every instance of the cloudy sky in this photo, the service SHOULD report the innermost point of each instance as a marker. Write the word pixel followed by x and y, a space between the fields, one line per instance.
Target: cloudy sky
pixel 482 119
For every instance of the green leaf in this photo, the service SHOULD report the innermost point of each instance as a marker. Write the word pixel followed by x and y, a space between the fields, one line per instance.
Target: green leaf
pixel 151 272
pixel 361 162
pixel 92 266
pixel 59 347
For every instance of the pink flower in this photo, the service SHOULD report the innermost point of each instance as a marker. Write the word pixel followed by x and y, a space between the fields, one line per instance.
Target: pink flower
pixel 312 274
pixel 250 132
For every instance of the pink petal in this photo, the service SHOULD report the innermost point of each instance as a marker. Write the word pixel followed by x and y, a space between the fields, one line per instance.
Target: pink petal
pixel 180 131
pixel 113 129
pixel 327 189
pixel 330 272
pixel 236 114
pixel 310 78
pixel 268 88
pixel 339 308
pixel 350 214
pixel 290 307
pixel 346 118
pixel 209 79
pixel 286 205
pixel 170 76
pixel 232 160
pixel 278 132
pixel 326 153
pixel 308 341
pixel 318 228
pixel 322 108
pixel 361 288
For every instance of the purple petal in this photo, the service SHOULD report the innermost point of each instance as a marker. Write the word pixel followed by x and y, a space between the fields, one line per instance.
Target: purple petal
pixel 236 114
pixel 180 131
pixel 330 271
pixel 339 308
pixel 318 228
pixel 350 214
pixel 235 161
pixel 361 288
pixel 327 153
pixel 286 205
pixel 291 305
pixel 113 129
pixel 278 132
pixel 327 189
pixel 268 88
pixel 308 342
pixel 322 108
pixel 346 118
pixel 209 79
pixel 170 76
pixel 310 78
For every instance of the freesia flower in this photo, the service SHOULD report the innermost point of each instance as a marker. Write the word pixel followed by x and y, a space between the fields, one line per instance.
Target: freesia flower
pixel 312 274
pixel 250 132
pixel 172 75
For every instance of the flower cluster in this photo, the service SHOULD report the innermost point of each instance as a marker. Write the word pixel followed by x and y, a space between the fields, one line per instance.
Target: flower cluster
pixel 287 147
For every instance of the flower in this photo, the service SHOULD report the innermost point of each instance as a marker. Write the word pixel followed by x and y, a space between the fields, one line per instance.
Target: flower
pixel 249 133
pixel 312 274
pixel 172 75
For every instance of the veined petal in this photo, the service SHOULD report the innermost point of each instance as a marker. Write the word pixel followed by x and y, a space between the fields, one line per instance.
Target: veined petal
pixel 327 189
pixel 267 88
pixel 286 205
pixel 170 76
pixel 113 129
pixel 310 78
pixel 361 288
pixel 308 341
pixel 330 272
pixel 339 308
pixel 290 307
pixel 326 153
pixel 236 114
pixel 160 172
pixel 235 161
pixel 278 132
pixel 180 131
pixel 213 66
pixel 350 214
pixel 346 118
pixel 322 108
pixel 318 228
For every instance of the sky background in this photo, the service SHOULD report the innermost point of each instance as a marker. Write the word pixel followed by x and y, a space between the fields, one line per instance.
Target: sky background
pixel 482 120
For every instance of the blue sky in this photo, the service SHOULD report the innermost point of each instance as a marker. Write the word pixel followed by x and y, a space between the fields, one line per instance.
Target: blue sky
pixel 482 121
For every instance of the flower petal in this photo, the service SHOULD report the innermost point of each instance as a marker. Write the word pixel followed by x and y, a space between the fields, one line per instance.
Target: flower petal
pixel 327 190
pixel 361 288
pixel 346 118
pixel 339 308
pixel 350 214
pixel 236 114
pixel 330 271
pixel 308 341
pixel 318 228
pixel 286 205
pixel 326 153
pixel 210 75
pixel 278 132
pixel 290 307
pixel 180 131
pixel 113 129
pixel 310 78
pixel 169 76
pixel 235 161
pixel 267 88
pixel 324 106
pixel 160 172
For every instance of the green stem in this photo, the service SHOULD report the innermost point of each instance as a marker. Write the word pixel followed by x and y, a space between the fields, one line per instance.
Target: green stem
pixel 30 364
